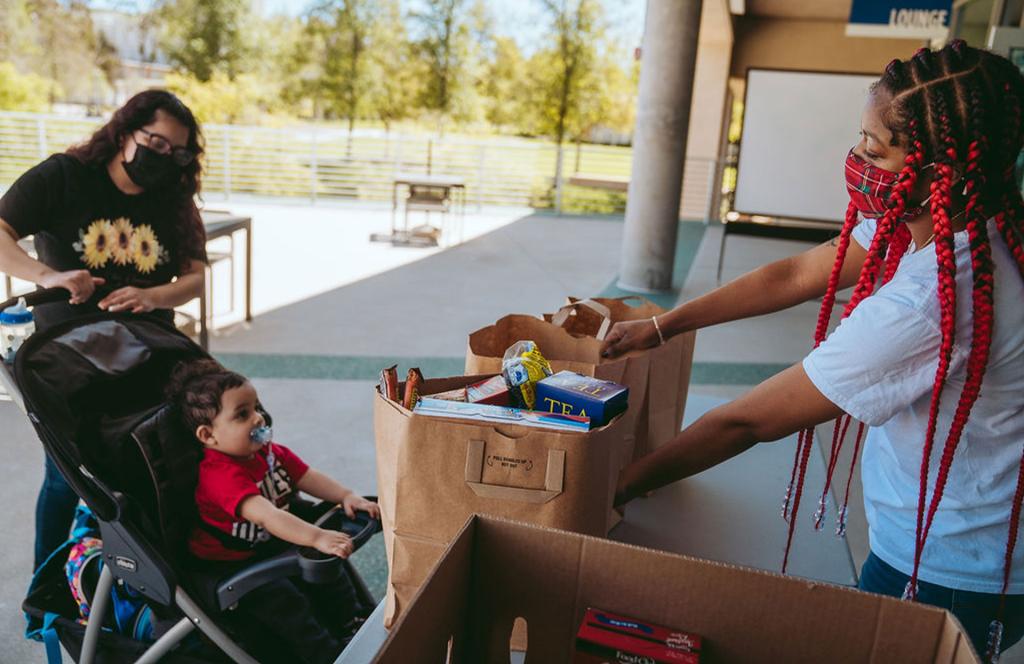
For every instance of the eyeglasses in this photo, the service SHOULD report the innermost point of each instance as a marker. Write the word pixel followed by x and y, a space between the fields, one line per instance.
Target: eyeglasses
pixel 181 156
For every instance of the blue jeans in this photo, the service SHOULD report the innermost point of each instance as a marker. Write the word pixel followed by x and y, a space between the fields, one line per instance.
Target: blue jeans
pixel 55 510
pixel 975 611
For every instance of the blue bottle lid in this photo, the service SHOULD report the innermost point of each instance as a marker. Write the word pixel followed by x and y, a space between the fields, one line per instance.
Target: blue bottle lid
pixel 18 314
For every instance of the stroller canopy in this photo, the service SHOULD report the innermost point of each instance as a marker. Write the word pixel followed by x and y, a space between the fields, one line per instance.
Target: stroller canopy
pixel 94 390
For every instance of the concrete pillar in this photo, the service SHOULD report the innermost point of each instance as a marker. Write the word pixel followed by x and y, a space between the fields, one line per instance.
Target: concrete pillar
pixel 659 144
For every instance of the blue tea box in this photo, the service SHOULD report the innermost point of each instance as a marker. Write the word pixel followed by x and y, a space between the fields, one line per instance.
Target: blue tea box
pixel 570 393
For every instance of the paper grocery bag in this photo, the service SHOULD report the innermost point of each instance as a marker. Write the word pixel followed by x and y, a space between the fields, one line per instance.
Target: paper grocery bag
pixel 565 352
pixel 661 415
pixel 433 473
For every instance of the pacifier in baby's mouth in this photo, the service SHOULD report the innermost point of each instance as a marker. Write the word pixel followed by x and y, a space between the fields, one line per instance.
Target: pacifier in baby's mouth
pixel 261 435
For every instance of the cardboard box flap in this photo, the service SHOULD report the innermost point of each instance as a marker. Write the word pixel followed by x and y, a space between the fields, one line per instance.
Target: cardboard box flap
pixel 549 578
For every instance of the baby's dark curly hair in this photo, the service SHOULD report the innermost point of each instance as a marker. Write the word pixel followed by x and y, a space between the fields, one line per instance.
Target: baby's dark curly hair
pixel 195 390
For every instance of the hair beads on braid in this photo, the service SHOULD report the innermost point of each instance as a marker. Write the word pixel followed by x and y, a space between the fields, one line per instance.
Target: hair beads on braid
pixel 959 108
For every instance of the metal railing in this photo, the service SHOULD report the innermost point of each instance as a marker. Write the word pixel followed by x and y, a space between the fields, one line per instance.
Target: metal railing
pixel 323 162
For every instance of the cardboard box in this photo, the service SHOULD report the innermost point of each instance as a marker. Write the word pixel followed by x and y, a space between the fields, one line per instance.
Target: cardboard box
pixel 611 638
pixel 496 572
pixel 570 393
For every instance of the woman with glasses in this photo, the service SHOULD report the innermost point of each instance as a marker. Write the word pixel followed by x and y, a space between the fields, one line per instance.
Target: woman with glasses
pixel 115 223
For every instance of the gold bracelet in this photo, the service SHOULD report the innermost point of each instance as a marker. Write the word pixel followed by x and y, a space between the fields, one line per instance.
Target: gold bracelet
pixel 657 327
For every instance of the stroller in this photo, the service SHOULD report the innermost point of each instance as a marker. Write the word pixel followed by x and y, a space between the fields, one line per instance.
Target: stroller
pixel 93 389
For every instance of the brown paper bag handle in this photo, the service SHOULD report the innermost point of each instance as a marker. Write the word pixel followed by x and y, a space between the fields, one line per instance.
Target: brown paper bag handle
pixel 562 315
pixel 553 478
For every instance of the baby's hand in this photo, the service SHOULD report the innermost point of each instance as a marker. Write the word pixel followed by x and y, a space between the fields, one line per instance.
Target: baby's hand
pixel 354 502
pixel 333 543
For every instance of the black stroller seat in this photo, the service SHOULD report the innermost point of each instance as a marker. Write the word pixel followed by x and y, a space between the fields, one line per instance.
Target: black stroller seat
pixel 93 389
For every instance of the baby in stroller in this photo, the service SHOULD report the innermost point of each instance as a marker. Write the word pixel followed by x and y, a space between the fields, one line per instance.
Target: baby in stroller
pixel 247 499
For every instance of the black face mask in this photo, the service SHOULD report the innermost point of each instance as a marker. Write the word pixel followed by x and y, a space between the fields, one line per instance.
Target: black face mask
pixel 150 169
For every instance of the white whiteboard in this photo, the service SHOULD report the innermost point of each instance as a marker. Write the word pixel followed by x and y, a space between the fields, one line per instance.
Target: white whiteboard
pixel 797 130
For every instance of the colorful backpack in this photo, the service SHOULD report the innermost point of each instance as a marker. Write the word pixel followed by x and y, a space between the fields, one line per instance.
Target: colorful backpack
pixel 132 616
pixel 81 562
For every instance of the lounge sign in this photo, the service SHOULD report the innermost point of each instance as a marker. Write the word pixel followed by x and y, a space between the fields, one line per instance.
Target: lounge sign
pixel 900 19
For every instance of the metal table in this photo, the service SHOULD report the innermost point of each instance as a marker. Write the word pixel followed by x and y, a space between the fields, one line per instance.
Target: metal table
pixel 454 190
pixel 224 224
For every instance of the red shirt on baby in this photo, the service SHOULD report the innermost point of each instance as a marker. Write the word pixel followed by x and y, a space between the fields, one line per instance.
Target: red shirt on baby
pixel 225 481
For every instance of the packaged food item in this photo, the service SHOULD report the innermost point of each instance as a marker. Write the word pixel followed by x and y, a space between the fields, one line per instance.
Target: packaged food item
pixel 570 393
pixel 412 388
pixel 481 412
pixel 451 395
pixel 389 382
pixel 493 391
pixel 523 366
pixel 609 638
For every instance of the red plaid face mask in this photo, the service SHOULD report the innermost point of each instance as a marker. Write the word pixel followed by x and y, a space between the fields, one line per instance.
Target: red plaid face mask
pixel 870 187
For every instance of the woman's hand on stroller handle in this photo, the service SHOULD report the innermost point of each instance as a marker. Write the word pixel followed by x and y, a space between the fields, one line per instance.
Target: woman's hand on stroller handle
pixel 79 283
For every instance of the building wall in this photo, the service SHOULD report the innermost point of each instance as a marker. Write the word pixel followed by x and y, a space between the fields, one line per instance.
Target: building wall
pixel 812 45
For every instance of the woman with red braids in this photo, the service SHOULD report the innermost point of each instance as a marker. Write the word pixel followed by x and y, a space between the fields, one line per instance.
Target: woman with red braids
pixel 929 352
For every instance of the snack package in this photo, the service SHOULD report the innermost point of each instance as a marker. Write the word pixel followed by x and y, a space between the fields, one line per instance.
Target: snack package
pixel 389 382
pixel 492 391
pixel 451 395
pixel 610 638
pixel 412 388
pixel 523 366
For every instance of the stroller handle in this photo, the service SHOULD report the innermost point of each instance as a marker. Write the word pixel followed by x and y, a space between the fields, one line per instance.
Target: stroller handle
pixel 41 296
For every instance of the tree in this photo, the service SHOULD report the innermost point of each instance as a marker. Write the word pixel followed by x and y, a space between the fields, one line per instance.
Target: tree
pixel 219 99
pixel 17 33
pixel 558 71
pixel 606 97
pixel 575 32
pixel 450 46
pixel 395 76
pixel 25 92
pixel 206 36
pixel 504 83
pixel 345 27
pixel 65 47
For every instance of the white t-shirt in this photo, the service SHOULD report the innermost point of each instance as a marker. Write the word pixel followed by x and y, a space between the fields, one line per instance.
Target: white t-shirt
pixel 879 366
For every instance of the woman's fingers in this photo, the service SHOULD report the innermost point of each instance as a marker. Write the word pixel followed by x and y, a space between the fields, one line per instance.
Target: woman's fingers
pixel 610 346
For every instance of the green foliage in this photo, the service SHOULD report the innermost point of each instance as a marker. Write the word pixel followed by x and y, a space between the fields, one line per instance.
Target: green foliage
pixel 565 76
pixel 436 63
pixel 207 36
pixel 220 99
pixel 25 92
pixel 453 37
pixel 395 75
pixel 55 40
pixel 503 84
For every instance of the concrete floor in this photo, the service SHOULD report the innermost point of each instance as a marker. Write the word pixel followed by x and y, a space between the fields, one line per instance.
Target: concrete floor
pixel 332 308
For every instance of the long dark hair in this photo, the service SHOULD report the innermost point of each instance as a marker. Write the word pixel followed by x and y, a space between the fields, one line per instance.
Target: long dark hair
pixel 959 107
pixel 138 112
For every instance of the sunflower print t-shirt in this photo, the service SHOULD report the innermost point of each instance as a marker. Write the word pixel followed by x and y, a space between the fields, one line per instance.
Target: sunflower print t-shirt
pixel 81 220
